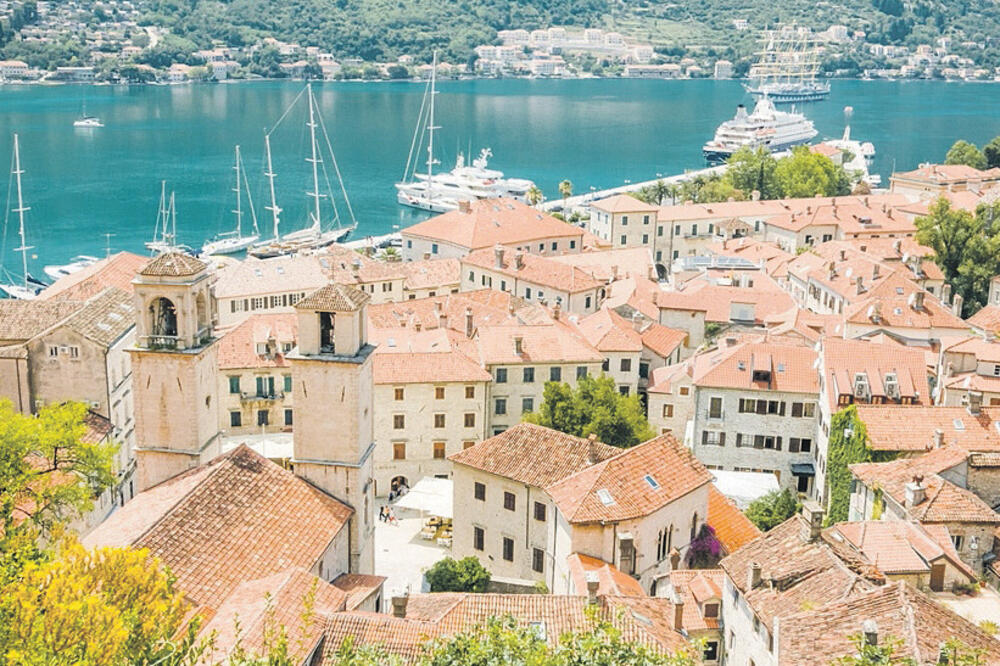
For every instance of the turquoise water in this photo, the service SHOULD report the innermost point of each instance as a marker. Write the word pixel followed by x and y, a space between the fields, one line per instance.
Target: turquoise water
pixel 82 184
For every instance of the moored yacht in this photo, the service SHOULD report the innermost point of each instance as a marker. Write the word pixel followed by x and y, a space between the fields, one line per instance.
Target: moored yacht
pixel 765 127
pixel 77 263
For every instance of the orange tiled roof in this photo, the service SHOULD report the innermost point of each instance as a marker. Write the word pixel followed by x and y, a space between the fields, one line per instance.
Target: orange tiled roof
pixel 487 307
pixel 947 173
pixel 173 264
pixel 449 365
pixel 661 340
pixel 198 524
pixel 618 488
pixel 431 273
pixel 900 547
pixel 853 218
pixel 889 304
pixel 534 454
pixel 716 300
pixel 536 269
pixel 23 320
pixel 911 427
pixel 982 350
pixel 842 360
pixel 115 271
pixel 821 635
pixel 611 580
pixel 357 587
pixel 791 367
pixel 611 264
pixel 238 346
pixel 539 344
pixel 732 528
pixel 337 297
pixel 695 587
pixel 986 319
pixel 607 331
pixel 491 221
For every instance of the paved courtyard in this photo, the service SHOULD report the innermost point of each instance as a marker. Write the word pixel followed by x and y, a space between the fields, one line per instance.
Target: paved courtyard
pixel 401 555
pixel 983 606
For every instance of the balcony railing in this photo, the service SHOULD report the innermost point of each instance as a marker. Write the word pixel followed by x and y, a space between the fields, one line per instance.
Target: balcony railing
pixel 253 396
pixel 161 341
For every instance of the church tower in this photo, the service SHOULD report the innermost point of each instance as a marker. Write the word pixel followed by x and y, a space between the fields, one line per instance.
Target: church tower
pixel 174 368
pixel 333 383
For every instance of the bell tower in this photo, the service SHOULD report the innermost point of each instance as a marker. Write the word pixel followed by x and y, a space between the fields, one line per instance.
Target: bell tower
pixel 333 435
pixel 174 368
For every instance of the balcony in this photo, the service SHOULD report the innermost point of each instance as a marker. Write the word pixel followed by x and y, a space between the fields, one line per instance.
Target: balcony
pixel 161 341
pixel 253 396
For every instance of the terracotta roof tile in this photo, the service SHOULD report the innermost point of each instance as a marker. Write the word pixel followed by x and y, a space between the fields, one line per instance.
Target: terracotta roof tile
pixel 732 528
pixel 791 367
pixel 607 331
pixel 980 349
pixel 539 270
pixel 622 487
pixel 947 173
pixel 240 517
pixel 612 264
pixel 23 320
pixel 449 310
pixel 911 427
pixel 492 221
pixel 663 341
pixel 173 264
pixel 623 203
pixel 842 360
pixel 358 587
pixel 700 294
pixel 104 318
pixel 890 304
pixel 695 586
pixel 899 610
pixel 430 273
pixel 533 454
pixel 115 271
pixel 986 319
pixel 610 579
pixel 448 365
pixel 900 547
pixel 334 297
pixel 539 344
pixel 238 346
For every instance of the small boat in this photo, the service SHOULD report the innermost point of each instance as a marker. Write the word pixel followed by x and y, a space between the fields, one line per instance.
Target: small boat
pixel 28 287
pixel 77 263
pixel 88 122
pixel 231 242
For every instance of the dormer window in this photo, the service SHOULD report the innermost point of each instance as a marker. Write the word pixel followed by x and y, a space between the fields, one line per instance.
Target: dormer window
pixel 711 610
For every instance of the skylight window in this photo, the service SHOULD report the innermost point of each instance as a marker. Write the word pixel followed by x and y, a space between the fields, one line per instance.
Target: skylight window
pixel 781 367
pixel 652 482
pixel 959 425
pixel 899 290
pixel 605 496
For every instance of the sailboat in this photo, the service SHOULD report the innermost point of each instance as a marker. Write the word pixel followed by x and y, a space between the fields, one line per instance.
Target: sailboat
pixel 441 192
pixel 29 287
pixel 234 241
pixel 87 121
pixel 313 236
pixel 165 235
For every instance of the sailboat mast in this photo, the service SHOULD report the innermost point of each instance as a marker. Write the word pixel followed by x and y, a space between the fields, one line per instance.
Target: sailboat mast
pixel 173 222
pixel 20 210
pixel 162 218
pixel 314 160
pixel 238 189
pixel 275 211
pixel 430 130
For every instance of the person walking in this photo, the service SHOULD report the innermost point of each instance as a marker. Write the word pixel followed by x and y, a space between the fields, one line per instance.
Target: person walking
pixel 381 514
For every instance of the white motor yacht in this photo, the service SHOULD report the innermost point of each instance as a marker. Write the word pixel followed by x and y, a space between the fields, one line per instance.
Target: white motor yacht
pixel 77 263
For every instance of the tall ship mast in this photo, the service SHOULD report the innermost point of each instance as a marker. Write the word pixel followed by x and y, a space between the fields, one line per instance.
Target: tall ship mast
pixel 29 287
pixel 787 67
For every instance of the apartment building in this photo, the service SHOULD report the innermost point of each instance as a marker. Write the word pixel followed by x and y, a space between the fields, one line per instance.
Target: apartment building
pixel 534 278
pixel 484 223
pixel 899 307
pixel 522 358
pixel 971 364
pixel 430 402
pixel 527 499
pixel 755 410
pixel 624 221
pixel 255 377
pixel 932 180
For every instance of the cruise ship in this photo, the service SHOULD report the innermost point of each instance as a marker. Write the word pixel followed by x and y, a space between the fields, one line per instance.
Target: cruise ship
pixel 765 127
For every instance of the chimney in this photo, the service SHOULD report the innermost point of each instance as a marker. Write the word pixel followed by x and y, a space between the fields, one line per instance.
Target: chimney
pixel 755 195
pixel 917 300
pixel 593 584
pixel 946 294
pixel 417 325
pixel 518 260
pixel 468 322
pixel 399 606
pixel 678 601
pixel 831 270
pixel 442 320
pixel 974 402
pixel 874 272
pixel 753 576
pixel 592 456
pixel 938 438
pixel 675 559
pixel 637 322
pixel 464 207
pixel 518 345
pixel 437 308
pixel 870 629
pixel 557 310
pixel 861 285
pixel 956 305
pixel 812 512
pixel 498 255
pixel 915 492
pixel 897 246
pixel 843 254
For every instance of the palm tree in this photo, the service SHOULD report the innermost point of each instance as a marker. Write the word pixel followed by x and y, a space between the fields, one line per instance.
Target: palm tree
pixel 565 190
pixel 659 191
pixel 535 195
pixel 390 254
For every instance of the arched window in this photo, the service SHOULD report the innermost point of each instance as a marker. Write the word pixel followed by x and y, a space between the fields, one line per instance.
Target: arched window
pixel 694 526
pixel 163 318
pixel 670 538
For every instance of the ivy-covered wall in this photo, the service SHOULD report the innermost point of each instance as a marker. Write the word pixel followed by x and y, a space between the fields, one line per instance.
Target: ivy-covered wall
pixel 844 451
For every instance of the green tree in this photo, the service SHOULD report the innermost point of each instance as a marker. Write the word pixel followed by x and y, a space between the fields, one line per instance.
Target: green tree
pixel 534 195
pixel 772 509
pixel 963 152
pixel 594 407
pixel 753 170
pixel 565 190
pixel 48 474
pixel 807 174
pixel 991 152
pixel 886 652
pixel 464 575
pixel 397 72
pixel 848 445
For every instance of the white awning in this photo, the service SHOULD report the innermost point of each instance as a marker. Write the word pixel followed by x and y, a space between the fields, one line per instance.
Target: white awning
pixel 744 487
pixel 429 495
